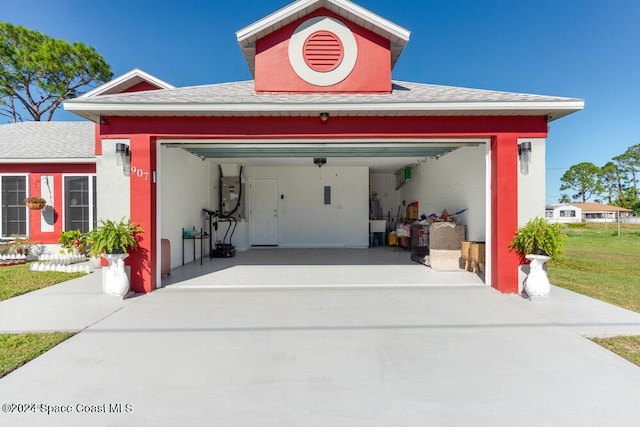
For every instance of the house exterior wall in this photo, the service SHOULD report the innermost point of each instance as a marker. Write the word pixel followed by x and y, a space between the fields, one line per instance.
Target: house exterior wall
pixel 531 187
pixel 371 73
pixel 503 132
pixel 46 180
pixel 564 214
pixel 114 183
pixel 454 182
pixel 599 216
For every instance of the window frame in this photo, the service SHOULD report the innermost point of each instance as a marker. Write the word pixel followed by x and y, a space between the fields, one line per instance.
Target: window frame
pixel 92 180
pixel 26 177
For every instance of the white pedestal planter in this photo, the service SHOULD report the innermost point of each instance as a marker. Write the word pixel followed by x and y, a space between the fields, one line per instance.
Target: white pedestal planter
pixel 114 277
pixel 537 283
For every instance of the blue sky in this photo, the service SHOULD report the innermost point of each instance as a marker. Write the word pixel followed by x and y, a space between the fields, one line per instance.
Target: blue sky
pixel 587 49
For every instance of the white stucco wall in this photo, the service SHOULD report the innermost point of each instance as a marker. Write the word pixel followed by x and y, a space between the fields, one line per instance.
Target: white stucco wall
pixel 385 186
pixel 112 187
pixel 531 188
pixel 303 219
pixel 453 182
pixel 187 185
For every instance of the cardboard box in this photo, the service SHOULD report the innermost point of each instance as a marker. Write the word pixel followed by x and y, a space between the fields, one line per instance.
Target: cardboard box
pixel 412 212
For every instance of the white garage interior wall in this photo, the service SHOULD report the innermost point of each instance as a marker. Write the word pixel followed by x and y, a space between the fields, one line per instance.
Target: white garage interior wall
pixel 453 182
pixel 384 186
pixel 188 184
pixel 304 221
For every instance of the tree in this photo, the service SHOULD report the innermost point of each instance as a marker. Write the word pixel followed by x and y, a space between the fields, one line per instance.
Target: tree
pixel 584 179
pixel 611 182
pixel 564 199
pixel 37 72
pixel 629 163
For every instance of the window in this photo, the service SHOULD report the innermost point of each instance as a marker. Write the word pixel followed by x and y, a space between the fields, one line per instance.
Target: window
pixel 569 213
pixel 14 212
pixel 80 203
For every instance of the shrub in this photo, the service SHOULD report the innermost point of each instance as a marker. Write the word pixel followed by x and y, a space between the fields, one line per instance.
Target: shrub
pixel 539 237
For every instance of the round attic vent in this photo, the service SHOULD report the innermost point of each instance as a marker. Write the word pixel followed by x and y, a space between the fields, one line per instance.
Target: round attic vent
pixel 323 51
pixel 330 37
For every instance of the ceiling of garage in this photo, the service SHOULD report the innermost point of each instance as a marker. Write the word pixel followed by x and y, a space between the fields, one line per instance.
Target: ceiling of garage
pixel 379 157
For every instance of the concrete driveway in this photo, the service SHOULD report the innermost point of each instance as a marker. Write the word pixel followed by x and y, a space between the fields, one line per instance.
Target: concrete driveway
pixel 333 356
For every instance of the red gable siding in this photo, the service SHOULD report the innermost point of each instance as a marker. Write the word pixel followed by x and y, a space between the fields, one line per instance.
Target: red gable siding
pixel 371 74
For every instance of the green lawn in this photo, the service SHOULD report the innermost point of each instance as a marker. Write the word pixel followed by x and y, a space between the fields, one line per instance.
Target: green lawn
pixel 606 267
pixel 18 349
pixel 627 347
pixel 601 265
pixel 18 279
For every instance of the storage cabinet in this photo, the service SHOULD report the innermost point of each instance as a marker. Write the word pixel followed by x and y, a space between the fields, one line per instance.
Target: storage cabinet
pixel 419 242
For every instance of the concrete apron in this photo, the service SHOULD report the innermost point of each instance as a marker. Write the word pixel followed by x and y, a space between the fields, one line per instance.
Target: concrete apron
pixel 260 268
pixel 454 356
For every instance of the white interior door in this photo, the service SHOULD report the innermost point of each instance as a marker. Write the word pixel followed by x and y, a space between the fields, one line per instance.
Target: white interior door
pixel 264 212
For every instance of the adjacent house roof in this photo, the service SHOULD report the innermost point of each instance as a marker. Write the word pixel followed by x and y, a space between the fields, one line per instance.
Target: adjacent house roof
pixel 248 36
pixel 127 81
pixel 599 207
pixel 561 205
pixel 47 142
pixel 240 99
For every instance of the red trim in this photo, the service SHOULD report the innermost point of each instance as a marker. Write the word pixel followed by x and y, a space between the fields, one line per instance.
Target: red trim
pixel 141 87
pixel 503 132
pixel 143 212
pixel 336 127
pixel 98 140
pixel 504 208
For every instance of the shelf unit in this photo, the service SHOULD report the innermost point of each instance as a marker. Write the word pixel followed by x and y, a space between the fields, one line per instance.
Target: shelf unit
pixel 202 236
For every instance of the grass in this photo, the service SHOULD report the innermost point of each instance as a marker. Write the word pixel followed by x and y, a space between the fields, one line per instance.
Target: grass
pixel 601 265
pixel 604 266
pixel 627 347
pixel 18 349
pixel 18 279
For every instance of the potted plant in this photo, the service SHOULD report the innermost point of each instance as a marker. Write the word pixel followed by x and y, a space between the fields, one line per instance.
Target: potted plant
pixel 114 237
pixel 113 240
pixel 73 240
pixel 538 242
pixel 35 203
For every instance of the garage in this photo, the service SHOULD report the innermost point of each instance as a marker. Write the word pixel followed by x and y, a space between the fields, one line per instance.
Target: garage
pixel 320 129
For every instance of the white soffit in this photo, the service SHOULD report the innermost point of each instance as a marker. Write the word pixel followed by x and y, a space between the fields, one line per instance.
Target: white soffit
pixel 553 110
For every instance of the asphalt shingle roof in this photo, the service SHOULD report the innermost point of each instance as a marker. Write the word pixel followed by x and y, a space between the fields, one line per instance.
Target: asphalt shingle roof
pixel 47 140
pixel 244 93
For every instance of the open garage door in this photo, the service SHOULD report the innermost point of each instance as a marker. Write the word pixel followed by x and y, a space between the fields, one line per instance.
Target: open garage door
pixel 447 174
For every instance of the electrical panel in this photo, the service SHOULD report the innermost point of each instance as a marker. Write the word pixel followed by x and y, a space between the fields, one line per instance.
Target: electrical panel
pixel 231 195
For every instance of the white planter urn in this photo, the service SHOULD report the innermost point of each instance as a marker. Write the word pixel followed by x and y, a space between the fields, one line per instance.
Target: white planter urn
pixel 114 277
pixel 537 283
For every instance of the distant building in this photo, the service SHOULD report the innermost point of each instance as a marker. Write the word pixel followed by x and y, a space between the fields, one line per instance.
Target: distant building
pixel 563 213
pixel 585 212
pixel 599 212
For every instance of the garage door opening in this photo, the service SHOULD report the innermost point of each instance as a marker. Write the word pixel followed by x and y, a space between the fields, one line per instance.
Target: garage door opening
pixel 445 175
